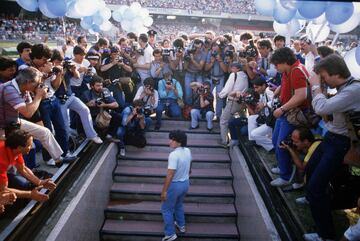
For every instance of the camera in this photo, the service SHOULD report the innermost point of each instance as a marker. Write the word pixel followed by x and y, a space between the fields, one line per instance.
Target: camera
pixel 229 53
pixel 68 64
pixel 63 98
pixel 273 82
pixel 55 70
pixel 167 52
pixel 276 103
pixel 202 90
pixel 136 48
pixel 249 99
pixel 147 110
pixel 168 82
pixel 214 54
pixel 119 59
pixel 215 81
pixel 288 142
pixel 250 51
pixel 190 50
pixel 42 86
pixel 140 111
pixel 98 101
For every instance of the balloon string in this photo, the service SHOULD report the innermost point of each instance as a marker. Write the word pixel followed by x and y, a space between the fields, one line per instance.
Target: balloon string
pixel 319 31
pixel 335 39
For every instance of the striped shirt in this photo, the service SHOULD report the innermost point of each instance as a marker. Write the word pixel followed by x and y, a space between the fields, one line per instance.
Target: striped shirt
pixel 10 101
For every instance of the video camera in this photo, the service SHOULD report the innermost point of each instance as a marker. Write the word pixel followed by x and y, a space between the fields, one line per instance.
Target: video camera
pixel 250 51
pixel 136 48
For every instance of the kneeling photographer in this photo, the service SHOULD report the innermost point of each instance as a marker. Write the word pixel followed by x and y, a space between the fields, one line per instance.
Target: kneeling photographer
pixel 133 126
pixel 202 105
pixel 102 107
pixel 149 96
pixel 259 126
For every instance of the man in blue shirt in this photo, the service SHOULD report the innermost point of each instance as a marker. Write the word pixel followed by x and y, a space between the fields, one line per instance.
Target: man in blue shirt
pixel 24 50
pixel 169 91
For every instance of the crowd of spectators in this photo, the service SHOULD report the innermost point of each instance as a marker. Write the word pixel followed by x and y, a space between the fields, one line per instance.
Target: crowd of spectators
pixel 208 6
pixel 256 87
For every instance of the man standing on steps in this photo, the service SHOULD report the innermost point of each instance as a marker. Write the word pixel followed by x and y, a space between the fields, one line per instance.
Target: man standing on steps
pixel 176 185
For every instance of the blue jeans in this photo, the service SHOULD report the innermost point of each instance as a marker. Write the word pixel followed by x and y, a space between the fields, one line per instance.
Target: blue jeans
pixel 30 159
pixel 118 95
pixel 191 77
pixel 219 101
pixel 51 115
pixel 234 124
pixel 19 182
pixel 174 204
pixel 170 105
pixel 323 170
pixel 282 129
pixel 196 115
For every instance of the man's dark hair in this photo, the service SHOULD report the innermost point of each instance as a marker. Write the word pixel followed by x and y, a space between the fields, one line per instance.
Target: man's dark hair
pixel 305 134
pixel 96 79
pixel 6 63
pixel 39 51
pixel 121 40
pixel 16 138
pixel 23 45
pixel 102 42
pixel 178 136
pixel 132 35
pixel 178 43
pixel 143 37
pixel 246 36
pixel 138 102
pixel 185 37
pixel 198 41
pixel 149 81
pixel 265 43
pixel 279 38
pixel 283 56
pixel 79 50
pixel 157 51
pixel 333 64
pixel 258 81
pixel 228 36
pixel 325 51
pixel 78 40
pixel 57 55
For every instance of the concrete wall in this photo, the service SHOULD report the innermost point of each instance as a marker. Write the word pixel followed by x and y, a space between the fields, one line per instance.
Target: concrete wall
pixel 84 215
pixel 254 222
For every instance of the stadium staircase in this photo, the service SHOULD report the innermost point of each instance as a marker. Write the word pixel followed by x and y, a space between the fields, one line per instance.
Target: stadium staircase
pixel 133 212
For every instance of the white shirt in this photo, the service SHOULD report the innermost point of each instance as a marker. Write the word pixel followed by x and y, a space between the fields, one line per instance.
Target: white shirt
pixel 75 81
pixel 309 61
pixel 146 99
pixel 241 84
pixel 180 161
pixel 147 58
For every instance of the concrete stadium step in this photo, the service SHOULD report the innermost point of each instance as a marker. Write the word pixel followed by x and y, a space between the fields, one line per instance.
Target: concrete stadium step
pixel 157 175
pixel 151 192
pixel 146 230
pixel 163 163
pixel 169 125
pixel 150 211
pixel 167 149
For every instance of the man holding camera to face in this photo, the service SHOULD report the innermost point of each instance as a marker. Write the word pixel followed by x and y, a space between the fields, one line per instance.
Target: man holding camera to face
pixel 148 95
pixel 99 99
pixel 202 106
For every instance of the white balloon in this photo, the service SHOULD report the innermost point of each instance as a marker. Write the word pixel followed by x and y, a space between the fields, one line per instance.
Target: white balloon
pixel 117 16
pixel 144 13
pixel 101 4
pixel 320 20
pixel 350 60
pixel 142 30
pixel 148 21
pixel 122 9
pixel 105 13
pixel 85 25
pixel 350 24
pixel 72 13
pixel 129 14
pixel 135 6
pixel 292 28
pixel 106 26
pixel 266 7
pixel 126 25
pixel 283 15
pixel 137 23
pixel 44 9
pixel 87 7
pixel 98 20
pixel 312 30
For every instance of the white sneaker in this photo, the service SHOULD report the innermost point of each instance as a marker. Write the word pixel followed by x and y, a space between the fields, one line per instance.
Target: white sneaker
pixel 312 237
pixel 122 152
pixel 169 238
pixel 302 201
pixel 51 162
pixel 275 170
pixel 97 140
pixel 279 182
pixel 296 185
pixel 182 229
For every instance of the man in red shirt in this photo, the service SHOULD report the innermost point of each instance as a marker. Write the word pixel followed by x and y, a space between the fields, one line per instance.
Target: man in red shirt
pixel 17 143
pixel 292 95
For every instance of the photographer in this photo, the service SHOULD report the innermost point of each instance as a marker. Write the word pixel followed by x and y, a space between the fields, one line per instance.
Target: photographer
pixel 149 95
pixel 177 61
pixel 333 72
pixel 195 59
pixel 292 95
pixel 24 50
pixel 133 126
pixel 258 126
pixel 264 66
pixel 143 58
pixel 215 64
pixel 17 144
pixel 81 69
pixel 68 101
pixel 202 105
pixel 113 68
pixel 169 91
pixel 234 87
pixel 158 66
